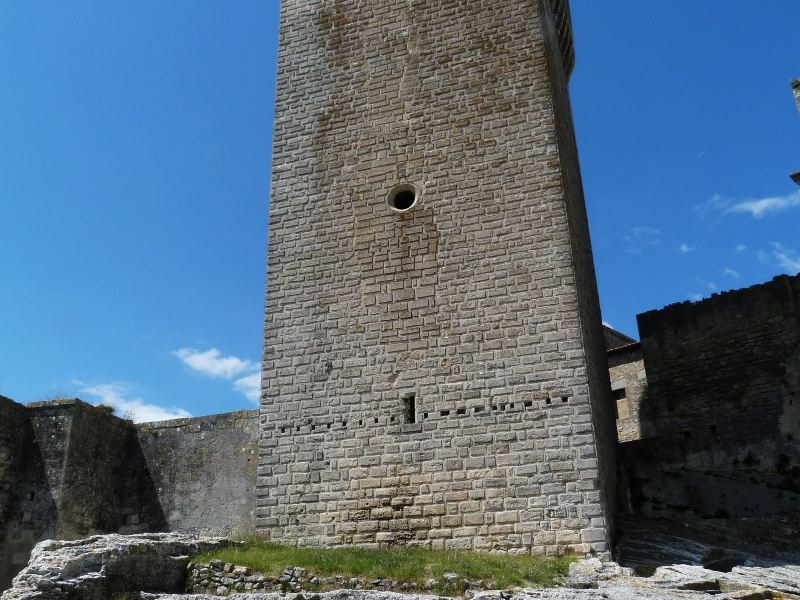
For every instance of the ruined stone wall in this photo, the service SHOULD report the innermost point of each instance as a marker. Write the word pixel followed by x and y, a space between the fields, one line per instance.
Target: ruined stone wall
pixel 629 393
pixel 204 471
pixel 33 514
pixel 93 474
pixel 474 300
pixel 724 386
pixel 74 470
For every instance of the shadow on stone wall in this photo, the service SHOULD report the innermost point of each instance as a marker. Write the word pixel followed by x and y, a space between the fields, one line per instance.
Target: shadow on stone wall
pixel 32 514
pixel 69 470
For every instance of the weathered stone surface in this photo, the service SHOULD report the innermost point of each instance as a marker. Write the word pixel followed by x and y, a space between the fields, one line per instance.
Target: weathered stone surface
pixel 628 392
pixel 335 595
pixel 102 566
pixel 13 436
pixel 679 582
pixel 723 379
pixel 69 470
pixel 717 544
pixel 204 471
pixel 481 299
pixel 98 567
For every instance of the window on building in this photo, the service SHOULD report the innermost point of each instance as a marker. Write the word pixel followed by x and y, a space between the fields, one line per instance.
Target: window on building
pixel 410 408
pixel 621 406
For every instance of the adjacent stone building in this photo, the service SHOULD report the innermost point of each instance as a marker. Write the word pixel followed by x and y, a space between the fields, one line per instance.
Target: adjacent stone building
pixel 434 369
pixel 628 386
pixel 720 418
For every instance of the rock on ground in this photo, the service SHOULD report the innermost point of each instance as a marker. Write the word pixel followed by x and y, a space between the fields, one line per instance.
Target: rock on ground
pixel 103 566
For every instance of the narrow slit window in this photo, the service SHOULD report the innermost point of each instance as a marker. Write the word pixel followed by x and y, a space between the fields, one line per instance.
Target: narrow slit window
pixel 410 408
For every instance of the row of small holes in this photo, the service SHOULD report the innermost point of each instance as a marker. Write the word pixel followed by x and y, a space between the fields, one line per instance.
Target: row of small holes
pixel 443 413
pixel 494 407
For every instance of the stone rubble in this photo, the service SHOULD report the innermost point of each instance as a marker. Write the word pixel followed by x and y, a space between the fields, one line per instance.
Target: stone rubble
pixel 113 567
pixel 221 579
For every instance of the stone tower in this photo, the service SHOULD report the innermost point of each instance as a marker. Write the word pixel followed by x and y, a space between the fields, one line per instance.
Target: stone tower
pixel 434 369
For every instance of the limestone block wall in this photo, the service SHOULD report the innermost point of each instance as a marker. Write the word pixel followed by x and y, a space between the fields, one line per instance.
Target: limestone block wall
pixel 724 386
pixel 629 393
pixel 591 323
pixel 479 301
pixel 204 471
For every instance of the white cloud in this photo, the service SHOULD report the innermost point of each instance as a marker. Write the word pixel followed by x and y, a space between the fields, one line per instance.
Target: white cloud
pixel 696 297
pixel 644 234
pixel 716 204
pixel 731 273
pixel 766 206
pixel 740 248
pixel 685 248
pixel 212 363
pixel 712 286
pixel 119 396
pixel 246 373
pixel 250 386
pixel 607 324
pixel 756 208
pixel 786 257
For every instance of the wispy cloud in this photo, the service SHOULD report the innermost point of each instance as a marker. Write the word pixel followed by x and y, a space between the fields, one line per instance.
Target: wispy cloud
pixel 642 236
pixel 714 206
pixel 756 208
pixel 740 248
pixel 121 396
pixel 731 273
pixel 766 206
pixel 212 363
pixel 786 257
pixel 645 235
pixel 685 248
pixel 711 287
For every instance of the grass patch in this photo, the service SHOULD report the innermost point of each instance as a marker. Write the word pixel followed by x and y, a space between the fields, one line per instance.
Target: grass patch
pixel 405 565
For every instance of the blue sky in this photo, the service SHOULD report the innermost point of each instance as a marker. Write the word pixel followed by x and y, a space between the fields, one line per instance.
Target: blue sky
pixel 134 173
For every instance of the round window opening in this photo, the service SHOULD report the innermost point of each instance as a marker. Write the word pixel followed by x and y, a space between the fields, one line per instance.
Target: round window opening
pixel 402 197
